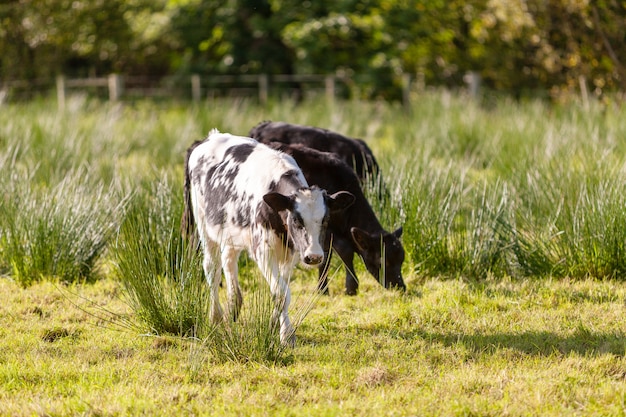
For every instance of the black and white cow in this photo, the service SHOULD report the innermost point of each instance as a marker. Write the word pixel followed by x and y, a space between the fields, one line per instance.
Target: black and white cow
pixel 355 230
pixel 353 152
pixel 242 195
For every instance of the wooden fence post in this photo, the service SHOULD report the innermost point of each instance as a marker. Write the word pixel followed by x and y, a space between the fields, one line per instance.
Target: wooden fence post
pixel 329 88
pixel 406 91
pixel 61 92
pixel 584 92
pixel 263 88
pixel 473 81
pixel 196 88
pixel 115 87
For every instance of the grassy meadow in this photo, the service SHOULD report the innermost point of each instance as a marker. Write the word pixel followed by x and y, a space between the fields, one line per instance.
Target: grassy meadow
pixel 514 230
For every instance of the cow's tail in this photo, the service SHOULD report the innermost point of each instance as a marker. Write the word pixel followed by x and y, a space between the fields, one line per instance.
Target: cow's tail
pixel 188 224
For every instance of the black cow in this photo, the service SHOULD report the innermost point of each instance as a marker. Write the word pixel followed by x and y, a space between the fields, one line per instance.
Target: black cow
pixel 355 230
pixel 353 152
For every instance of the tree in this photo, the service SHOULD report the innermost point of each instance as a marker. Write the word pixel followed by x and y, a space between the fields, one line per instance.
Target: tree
pixel 40 38
pixel 240 36
pixel 516 45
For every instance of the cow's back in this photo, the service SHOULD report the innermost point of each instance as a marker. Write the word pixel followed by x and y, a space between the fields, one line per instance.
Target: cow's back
pixel 229 175
pixel 323 169
pixel 354 152
pixel 327 171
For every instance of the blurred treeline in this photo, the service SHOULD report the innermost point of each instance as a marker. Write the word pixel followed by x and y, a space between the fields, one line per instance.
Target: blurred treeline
pixel 517 46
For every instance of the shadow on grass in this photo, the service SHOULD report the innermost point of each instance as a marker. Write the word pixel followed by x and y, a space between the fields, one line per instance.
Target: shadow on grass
pixel 533 343
pixel 537 343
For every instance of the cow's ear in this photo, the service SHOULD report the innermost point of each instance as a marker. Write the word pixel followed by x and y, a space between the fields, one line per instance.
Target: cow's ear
pixel 398 232
pixel 340 201
pixel 277 201
pixel 361 238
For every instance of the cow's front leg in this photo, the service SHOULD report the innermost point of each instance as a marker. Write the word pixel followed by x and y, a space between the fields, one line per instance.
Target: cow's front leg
pixel 282 298
pixel 230 256
pixel 324 269
pixel 275 273
pixel 345 250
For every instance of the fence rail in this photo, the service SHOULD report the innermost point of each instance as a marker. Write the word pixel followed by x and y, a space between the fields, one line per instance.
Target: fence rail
pixel 197 87
pixel 115 86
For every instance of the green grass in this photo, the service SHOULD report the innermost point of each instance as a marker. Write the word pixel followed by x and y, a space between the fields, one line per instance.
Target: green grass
pixel 514 227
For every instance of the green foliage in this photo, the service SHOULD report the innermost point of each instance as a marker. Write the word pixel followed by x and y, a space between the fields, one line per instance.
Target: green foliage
pixel 44 38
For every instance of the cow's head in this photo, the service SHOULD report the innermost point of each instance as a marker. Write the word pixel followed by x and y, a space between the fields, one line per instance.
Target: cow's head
pixel 382 254
pixel 307 213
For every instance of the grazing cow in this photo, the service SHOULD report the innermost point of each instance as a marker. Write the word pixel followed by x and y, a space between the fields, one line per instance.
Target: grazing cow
pixel 356 230
pixel 244 195
pixel 353 152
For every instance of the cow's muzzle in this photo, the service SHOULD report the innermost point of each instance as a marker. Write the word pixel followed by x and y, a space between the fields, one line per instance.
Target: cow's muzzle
pixel 313 259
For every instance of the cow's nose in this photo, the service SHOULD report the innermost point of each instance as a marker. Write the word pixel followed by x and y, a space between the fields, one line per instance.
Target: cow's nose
pixel 313 259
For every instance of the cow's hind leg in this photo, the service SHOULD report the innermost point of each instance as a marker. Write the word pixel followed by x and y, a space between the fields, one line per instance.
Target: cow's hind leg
pixel 230 256
pixel 211 265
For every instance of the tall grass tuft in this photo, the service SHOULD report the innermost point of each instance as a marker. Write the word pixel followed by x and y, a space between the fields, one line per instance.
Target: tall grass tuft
pixel 161 274
pixel 255 336
pixel 58 231
pixel 479 246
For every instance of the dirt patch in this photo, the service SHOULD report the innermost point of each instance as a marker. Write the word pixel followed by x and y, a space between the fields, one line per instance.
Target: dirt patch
pixel 375 376
pixel 57 333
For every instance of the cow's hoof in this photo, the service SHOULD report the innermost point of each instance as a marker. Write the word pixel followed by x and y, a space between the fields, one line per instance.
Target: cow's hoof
pixel 289 341
pixel 351 291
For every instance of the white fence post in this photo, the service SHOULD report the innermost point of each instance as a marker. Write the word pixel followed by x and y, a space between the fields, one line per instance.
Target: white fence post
pixel 61 92
pixel 115 87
